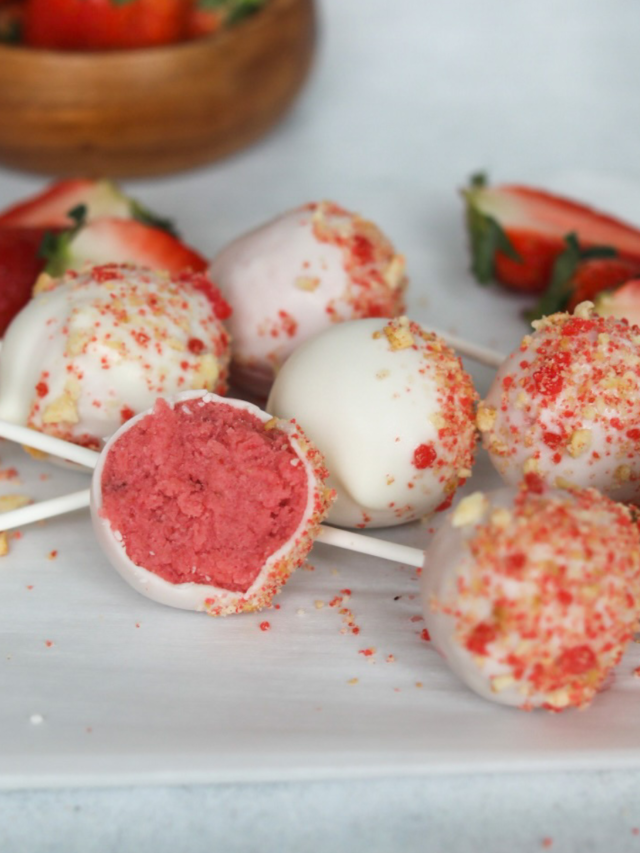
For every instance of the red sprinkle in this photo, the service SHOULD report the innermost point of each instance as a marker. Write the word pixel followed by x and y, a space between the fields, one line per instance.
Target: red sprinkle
pixel 265 626
pixel 195 345
pixel 424 456
pixel 577 660
pixel 480 637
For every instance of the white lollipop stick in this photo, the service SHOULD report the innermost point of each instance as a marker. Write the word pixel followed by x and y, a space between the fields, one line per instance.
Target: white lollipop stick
pixel 45 509
pixel 89 458
pixel 484 355
pixel 48 444
pixel 351 541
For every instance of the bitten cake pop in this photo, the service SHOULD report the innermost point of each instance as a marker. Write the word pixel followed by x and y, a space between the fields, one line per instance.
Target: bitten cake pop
pixel 566 405
pixel 208 504
pixel 296 275
pixel 532 595
pixel 392 411
pixel 201 503
pixel 94 348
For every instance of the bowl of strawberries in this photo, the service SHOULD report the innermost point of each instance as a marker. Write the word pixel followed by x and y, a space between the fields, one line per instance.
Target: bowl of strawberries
pixel 145 87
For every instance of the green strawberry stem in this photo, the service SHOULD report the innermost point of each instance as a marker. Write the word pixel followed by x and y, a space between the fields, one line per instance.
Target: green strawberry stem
pixel 486 234
pixel 558 293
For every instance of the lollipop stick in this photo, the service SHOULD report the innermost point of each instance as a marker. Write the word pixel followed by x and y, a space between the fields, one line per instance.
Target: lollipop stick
pixel 89 458
pixel 49 444
pixel 351 541
pixel 484 355
pixel 45 509
pixel 329 535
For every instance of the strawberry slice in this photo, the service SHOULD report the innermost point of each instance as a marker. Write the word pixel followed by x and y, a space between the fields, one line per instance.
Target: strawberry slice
pixel 20 265
pixel 51 207
pixel 597 275
pixel 623 302
pixel 104 24
pixel 518 232
pixel 579 274
pixel 110 240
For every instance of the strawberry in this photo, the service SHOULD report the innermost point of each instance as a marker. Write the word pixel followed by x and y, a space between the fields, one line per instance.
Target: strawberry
pixel 50 208
pixel 20 265
pixel 517 233
pixel 596 275
pixel 104 24
pixel 208 16
pixel 11 19
pixel 623 302
pixel 204 19
pixel 110 240
pixel 579 274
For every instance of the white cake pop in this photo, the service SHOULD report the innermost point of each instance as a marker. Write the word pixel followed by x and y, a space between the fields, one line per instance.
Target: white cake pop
pixel 566 405
pixel 392 411
pixel 531 595
pixel 94 348
pixel 298 274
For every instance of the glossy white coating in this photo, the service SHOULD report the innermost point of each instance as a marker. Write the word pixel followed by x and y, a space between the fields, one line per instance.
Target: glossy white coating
pixel 368 406
pixel 92 350
pixel 295 276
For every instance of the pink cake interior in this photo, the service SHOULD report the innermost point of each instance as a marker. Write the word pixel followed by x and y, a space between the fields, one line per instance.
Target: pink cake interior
pixel 203 493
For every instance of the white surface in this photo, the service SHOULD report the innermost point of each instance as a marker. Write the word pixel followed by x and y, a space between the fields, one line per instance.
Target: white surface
pixel 405 103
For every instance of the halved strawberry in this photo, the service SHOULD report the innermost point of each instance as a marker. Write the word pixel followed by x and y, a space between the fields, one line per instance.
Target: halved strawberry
pixel 579 274
pixel 110 240
pixel 622 302
pixel 51 207
pixel 104 24
pixel 596 275
pixel 20 265
pixel 518 232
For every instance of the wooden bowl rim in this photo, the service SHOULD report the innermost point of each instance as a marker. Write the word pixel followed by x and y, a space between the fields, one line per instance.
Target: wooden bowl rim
pixel 206 44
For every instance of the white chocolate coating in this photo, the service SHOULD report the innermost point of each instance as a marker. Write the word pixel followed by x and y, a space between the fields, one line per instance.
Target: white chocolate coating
pixel 531 597
pixel 391 410
pixel 294 277
pixel 101 345
pixel 204 597
pixel 566 406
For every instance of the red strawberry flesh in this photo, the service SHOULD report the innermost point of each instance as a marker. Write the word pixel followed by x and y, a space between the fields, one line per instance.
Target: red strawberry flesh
pixel 20 265
pixel 536 223
pixel 50 208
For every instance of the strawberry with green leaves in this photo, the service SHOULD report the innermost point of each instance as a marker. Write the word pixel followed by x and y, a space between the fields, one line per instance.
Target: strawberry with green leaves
pixel 208 16
pixel 518 232
pixel 77 221
pixel 104 24
pixel 50 208
pixel 121 241
pixel 579 274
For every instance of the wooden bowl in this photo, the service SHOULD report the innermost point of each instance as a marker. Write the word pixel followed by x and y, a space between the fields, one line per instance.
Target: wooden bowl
pixel 153 111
